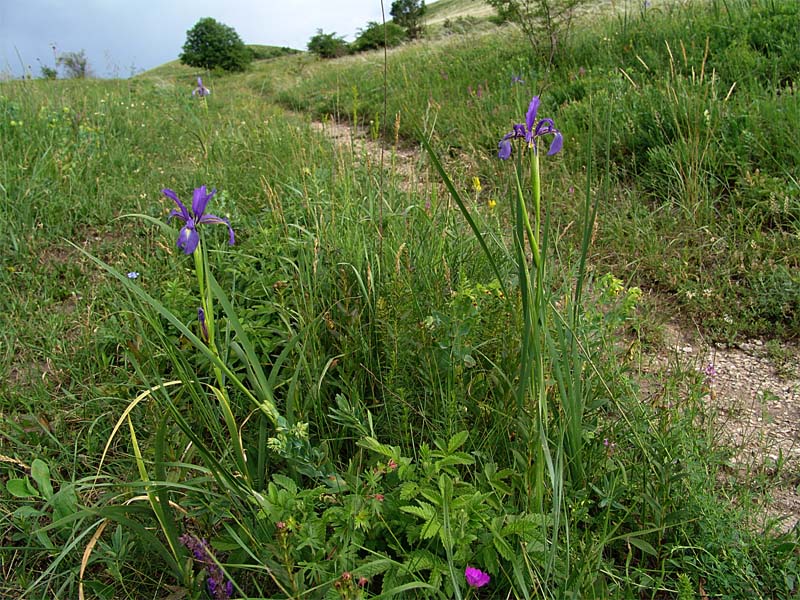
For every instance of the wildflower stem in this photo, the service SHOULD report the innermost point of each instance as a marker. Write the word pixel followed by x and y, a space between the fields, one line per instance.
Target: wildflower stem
pixel 207 304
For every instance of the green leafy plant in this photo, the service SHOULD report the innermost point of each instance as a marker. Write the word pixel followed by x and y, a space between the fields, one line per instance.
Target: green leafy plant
pixel 42 502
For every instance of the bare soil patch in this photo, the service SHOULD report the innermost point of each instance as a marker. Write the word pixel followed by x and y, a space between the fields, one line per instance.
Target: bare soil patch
pixel 754 403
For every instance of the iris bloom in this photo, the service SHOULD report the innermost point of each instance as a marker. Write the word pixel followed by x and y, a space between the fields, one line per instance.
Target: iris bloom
pixel 475 577
pixel 200 90
pixel 188 238
pixel 530 130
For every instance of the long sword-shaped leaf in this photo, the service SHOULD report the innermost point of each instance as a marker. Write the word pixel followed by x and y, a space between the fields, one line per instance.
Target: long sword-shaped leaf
pixel 463 207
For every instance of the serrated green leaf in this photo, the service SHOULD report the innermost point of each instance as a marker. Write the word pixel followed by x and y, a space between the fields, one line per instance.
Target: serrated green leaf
pixel 503 548
pixel 423 511
pixel 372 568
pixel 430 529
pixel 529 527
pixel 459 458
pixel 370 443
pixel 457 441
pixel 286 483
pixel 409 490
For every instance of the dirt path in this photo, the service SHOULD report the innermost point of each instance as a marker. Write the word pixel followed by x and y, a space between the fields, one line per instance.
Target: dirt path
pixel 754 395
pixel 754 400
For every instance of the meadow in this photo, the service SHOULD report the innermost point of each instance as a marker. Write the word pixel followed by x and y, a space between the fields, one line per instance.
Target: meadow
pixel 417 365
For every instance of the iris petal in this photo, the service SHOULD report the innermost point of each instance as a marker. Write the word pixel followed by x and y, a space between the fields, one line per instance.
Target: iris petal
pixel 544 127
pixel 188 238
pixel 504 151
pixel 556 144
pixel 200 200
pixel 184 212
pixel 215 220
pixel 530 117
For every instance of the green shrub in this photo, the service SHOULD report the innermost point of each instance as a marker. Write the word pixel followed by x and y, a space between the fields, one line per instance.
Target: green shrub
pixel 377 36
pixel 328 45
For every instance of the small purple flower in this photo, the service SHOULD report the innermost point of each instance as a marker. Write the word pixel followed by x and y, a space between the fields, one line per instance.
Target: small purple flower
pixel 200 90
pixel 218 587
pixel 133 275
pixel 517 79
pixel 188 238
pixel 530 131
pixel 476 578
pixel 710 371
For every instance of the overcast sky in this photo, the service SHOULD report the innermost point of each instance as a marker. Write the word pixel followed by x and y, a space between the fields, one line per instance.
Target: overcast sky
pixel 120 36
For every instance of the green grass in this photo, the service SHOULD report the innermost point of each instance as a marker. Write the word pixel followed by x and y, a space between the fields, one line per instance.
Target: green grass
pixel 357 306
pixel 692 125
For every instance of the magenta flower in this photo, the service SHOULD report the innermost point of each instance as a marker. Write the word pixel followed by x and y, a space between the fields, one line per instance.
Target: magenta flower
pixel 188 238
pixel 476 578
pixel 530 131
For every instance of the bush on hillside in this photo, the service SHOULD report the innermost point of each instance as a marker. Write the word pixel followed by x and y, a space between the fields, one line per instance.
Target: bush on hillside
pixel 377 36
pixel 328 45
pixel 211 45
pixel 546 23
pixel 76 64
pixel 268 52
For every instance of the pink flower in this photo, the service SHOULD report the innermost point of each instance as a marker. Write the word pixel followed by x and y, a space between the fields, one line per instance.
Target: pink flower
pixel 476 578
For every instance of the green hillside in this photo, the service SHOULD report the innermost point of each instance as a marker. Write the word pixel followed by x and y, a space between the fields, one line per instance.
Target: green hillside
pixel 451 321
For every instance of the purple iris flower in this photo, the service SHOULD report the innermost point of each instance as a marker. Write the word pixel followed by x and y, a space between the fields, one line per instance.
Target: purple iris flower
pixel 530 131
pixel 517 79
pixel 200 90
pixel 188 238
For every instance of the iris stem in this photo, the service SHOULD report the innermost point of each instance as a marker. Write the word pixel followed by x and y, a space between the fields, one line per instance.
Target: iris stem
pixel 207 304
